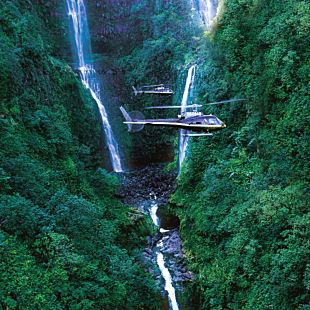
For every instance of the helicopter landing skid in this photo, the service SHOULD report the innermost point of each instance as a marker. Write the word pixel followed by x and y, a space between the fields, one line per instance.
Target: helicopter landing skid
pixel 198 134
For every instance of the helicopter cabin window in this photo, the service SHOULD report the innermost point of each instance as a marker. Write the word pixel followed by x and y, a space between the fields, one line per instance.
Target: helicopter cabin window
pixel 213 121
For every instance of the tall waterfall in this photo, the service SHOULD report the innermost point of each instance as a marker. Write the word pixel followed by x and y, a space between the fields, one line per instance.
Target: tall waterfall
pixel 82 52
pixel 207 10
pixel 187 95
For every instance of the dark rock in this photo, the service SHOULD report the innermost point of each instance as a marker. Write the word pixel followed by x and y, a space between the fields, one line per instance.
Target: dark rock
pixel 141 188
pixel 149 240
pixel 156 238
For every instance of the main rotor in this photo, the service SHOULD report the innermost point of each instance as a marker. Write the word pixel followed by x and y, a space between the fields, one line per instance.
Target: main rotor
pixel 194 107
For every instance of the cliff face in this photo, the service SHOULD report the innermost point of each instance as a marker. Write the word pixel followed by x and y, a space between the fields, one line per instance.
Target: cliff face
pixel 138 43
pixel 207 10
pixel 118 26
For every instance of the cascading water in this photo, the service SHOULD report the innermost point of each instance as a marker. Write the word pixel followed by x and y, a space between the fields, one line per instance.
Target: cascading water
pixel 161 262
pixel 207 10
pixel 82 52
pixel 187 94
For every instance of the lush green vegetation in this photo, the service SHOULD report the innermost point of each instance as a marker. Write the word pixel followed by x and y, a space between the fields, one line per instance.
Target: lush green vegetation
pixel 149 48
pixel 65 241
pixel 160 59
pixel 243 196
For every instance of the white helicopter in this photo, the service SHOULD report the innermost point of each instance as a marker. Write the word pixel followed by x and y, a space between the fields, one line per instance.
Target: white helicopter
pixel 191 121
pixel 159 89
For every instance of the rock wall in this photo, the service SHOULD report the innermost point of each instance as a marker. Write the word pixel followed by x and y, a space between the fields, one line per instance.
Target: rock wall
pixel 118 26
pixel 207 10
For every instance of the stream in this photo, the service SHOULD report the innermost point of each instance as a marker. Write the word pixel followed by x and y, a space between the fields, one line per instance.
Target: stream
pixel 148 189
pixel 160 258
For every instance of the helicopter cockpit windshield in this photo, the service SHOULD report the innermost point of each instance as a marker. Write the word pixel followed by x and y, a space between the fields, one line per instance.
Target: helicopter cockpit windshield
pixel 212 120
pixel 161 88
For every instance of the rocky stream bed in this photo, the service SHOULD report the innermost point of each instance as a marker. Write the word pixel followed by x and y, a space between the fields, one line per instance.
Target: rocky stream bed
pixel 148 189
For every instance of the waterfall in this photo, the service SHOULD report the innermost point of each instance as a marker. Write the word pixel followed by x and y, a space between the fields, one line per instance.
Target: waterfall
pixel 207 11
pixel 187 94
pixel 161 262
pixel 82 53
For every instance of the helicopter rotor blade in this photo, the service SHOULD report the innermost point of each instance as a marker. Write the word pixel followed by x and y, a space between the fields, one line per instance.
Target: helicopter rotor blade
pixel 226 101
pixel 146 86
pixel 193 105
pixel 164 107
pixel 175 107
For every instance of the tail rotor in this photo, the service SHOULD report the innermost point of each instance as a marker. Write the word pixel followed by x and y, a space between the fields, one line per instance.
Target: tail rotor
pixel 132 117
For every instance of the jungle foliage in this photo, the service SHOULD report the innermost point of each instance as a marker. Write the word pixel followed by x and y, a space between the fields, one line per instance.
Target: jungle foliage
pixel 243 195
pixel 146 43
pixel 65 241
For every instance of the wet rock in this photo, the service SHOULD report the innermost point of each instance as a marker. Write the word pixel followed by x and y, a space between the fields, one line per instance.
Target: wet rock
pixel 156 238
pixel 139 184
pixel 140 188
pixel 187 276
pixel 172 243
pixel 149 240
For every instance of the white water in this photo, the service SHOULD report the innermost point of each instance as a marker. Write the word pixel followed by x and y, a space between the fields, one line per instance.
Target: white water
pixel 207 11
pixel 82 48
pixel 168 286
pixel 187 94
pixel 153 210
pixel 161 262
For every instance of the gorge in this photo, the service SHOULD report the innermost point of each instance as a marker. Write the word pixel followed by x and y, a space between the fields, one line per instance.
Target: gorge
pixel 92 217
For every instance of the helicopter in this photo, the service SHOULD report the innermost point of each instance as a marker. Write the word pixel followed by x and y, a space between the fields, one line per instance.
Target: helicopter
pixel 159 89
pixel 191 121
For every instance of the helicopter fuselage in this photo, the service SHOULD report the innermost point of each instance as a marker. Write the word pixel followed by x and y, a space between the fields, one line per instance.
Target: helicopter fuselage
pixel 197 123
pixel 156 92
pixel 153 89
